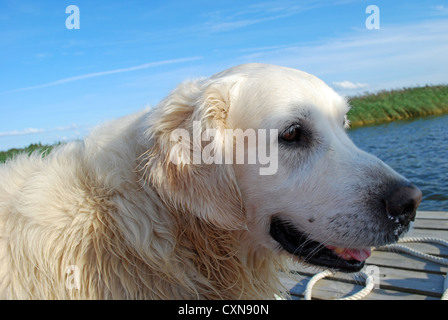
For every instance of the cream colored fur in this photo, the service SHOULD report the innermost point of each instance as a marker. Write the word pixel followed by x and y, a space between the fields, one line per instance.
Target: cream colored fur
pixel 135 225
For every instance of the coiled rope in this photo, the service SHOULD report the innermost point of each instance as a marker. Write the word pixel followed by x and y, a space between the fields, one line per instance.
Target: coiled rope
pixel 370 283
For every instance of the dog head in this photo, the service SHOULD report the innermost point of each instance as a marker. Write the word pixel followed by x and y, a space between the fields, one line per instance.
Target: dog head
pixel 323 199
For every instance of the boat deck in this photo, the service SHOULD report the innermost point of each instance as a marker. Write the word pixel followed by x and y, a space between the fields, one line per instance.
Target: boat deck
pixel 397 275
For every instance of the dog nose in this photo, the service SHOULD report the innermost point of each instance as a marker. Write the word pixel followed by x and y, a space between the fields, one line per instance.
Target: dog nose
pixel 402 202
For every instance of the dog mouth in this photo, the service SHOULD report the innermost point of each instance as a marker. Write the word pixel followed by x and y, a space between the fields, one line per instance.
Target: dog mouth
pixel 299 244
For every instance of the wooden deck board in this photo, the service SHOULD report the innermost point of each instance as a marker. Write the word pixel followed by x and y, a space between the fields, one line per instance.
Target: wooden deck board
pixel 332 289
pixel 402 276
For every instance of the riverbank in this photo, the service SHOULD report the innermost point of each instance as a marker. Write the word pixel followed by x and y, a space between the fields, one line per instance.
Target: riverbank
pixel 386 106
pixel 368 109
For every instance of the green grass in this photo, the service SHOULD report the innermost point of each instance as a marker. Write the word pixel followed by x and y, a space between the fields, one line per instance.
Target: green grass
pixel 44 149
pixel 386 106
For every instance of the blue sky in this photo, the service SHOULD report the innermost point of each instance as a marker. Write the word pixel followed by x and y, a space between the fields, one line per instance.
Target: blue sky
pixel 56 83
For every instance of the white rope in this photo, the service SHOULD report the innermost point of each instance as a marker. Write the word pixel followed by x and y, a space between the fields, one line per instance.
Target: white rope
pixel 370 283
pixel 370 280
pixel 419 254
pixel 429 257
pixel 313 280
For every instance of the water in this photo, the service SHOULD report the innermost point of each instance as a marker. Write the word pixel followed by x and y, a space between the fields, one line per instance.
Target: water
pixel 416 149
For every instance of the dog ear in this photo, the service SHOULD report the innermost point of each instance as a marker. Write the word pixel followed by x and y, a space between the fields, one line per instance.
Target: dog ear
pixel 175 166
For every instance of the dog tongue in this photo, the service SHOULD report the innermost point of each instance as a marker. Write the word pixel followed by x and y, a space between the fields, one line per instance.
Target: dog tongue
pixel 349 254
pixel 359 254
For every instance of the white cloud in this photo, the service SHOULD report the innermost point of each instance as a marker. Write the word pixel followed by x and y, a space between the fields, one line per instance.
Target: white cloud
pixel 239 16
pixel 349 85
pixel 394 56
pixel 104 73
pixel 43 55
pixel 73 126
pixel 441 9
pixel 23 132
pixel 28 131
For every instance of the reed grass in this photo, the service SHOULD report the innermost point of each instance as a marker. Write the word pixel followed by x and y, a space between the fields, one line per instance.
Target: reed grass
pixel 386 106
pixel 34 147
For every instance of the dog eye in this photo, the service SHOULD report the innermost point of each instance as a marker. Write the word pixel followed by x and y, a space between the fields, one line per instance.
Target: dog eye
pixel 292 134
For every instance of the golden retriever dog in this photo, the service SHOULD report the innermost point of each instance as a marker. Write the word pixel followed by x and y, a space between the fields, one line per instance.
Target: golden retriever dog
pixel 204 196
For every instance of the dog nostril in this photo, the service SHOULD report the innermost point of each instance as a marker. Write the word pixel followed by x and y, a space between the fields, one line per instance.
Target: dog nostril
pixel 402 202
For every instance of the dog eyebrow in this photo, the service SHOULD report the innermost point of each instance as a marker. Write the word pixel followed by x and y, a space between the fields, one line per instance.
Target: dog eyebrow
pixel 306 114
pixel 301 114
